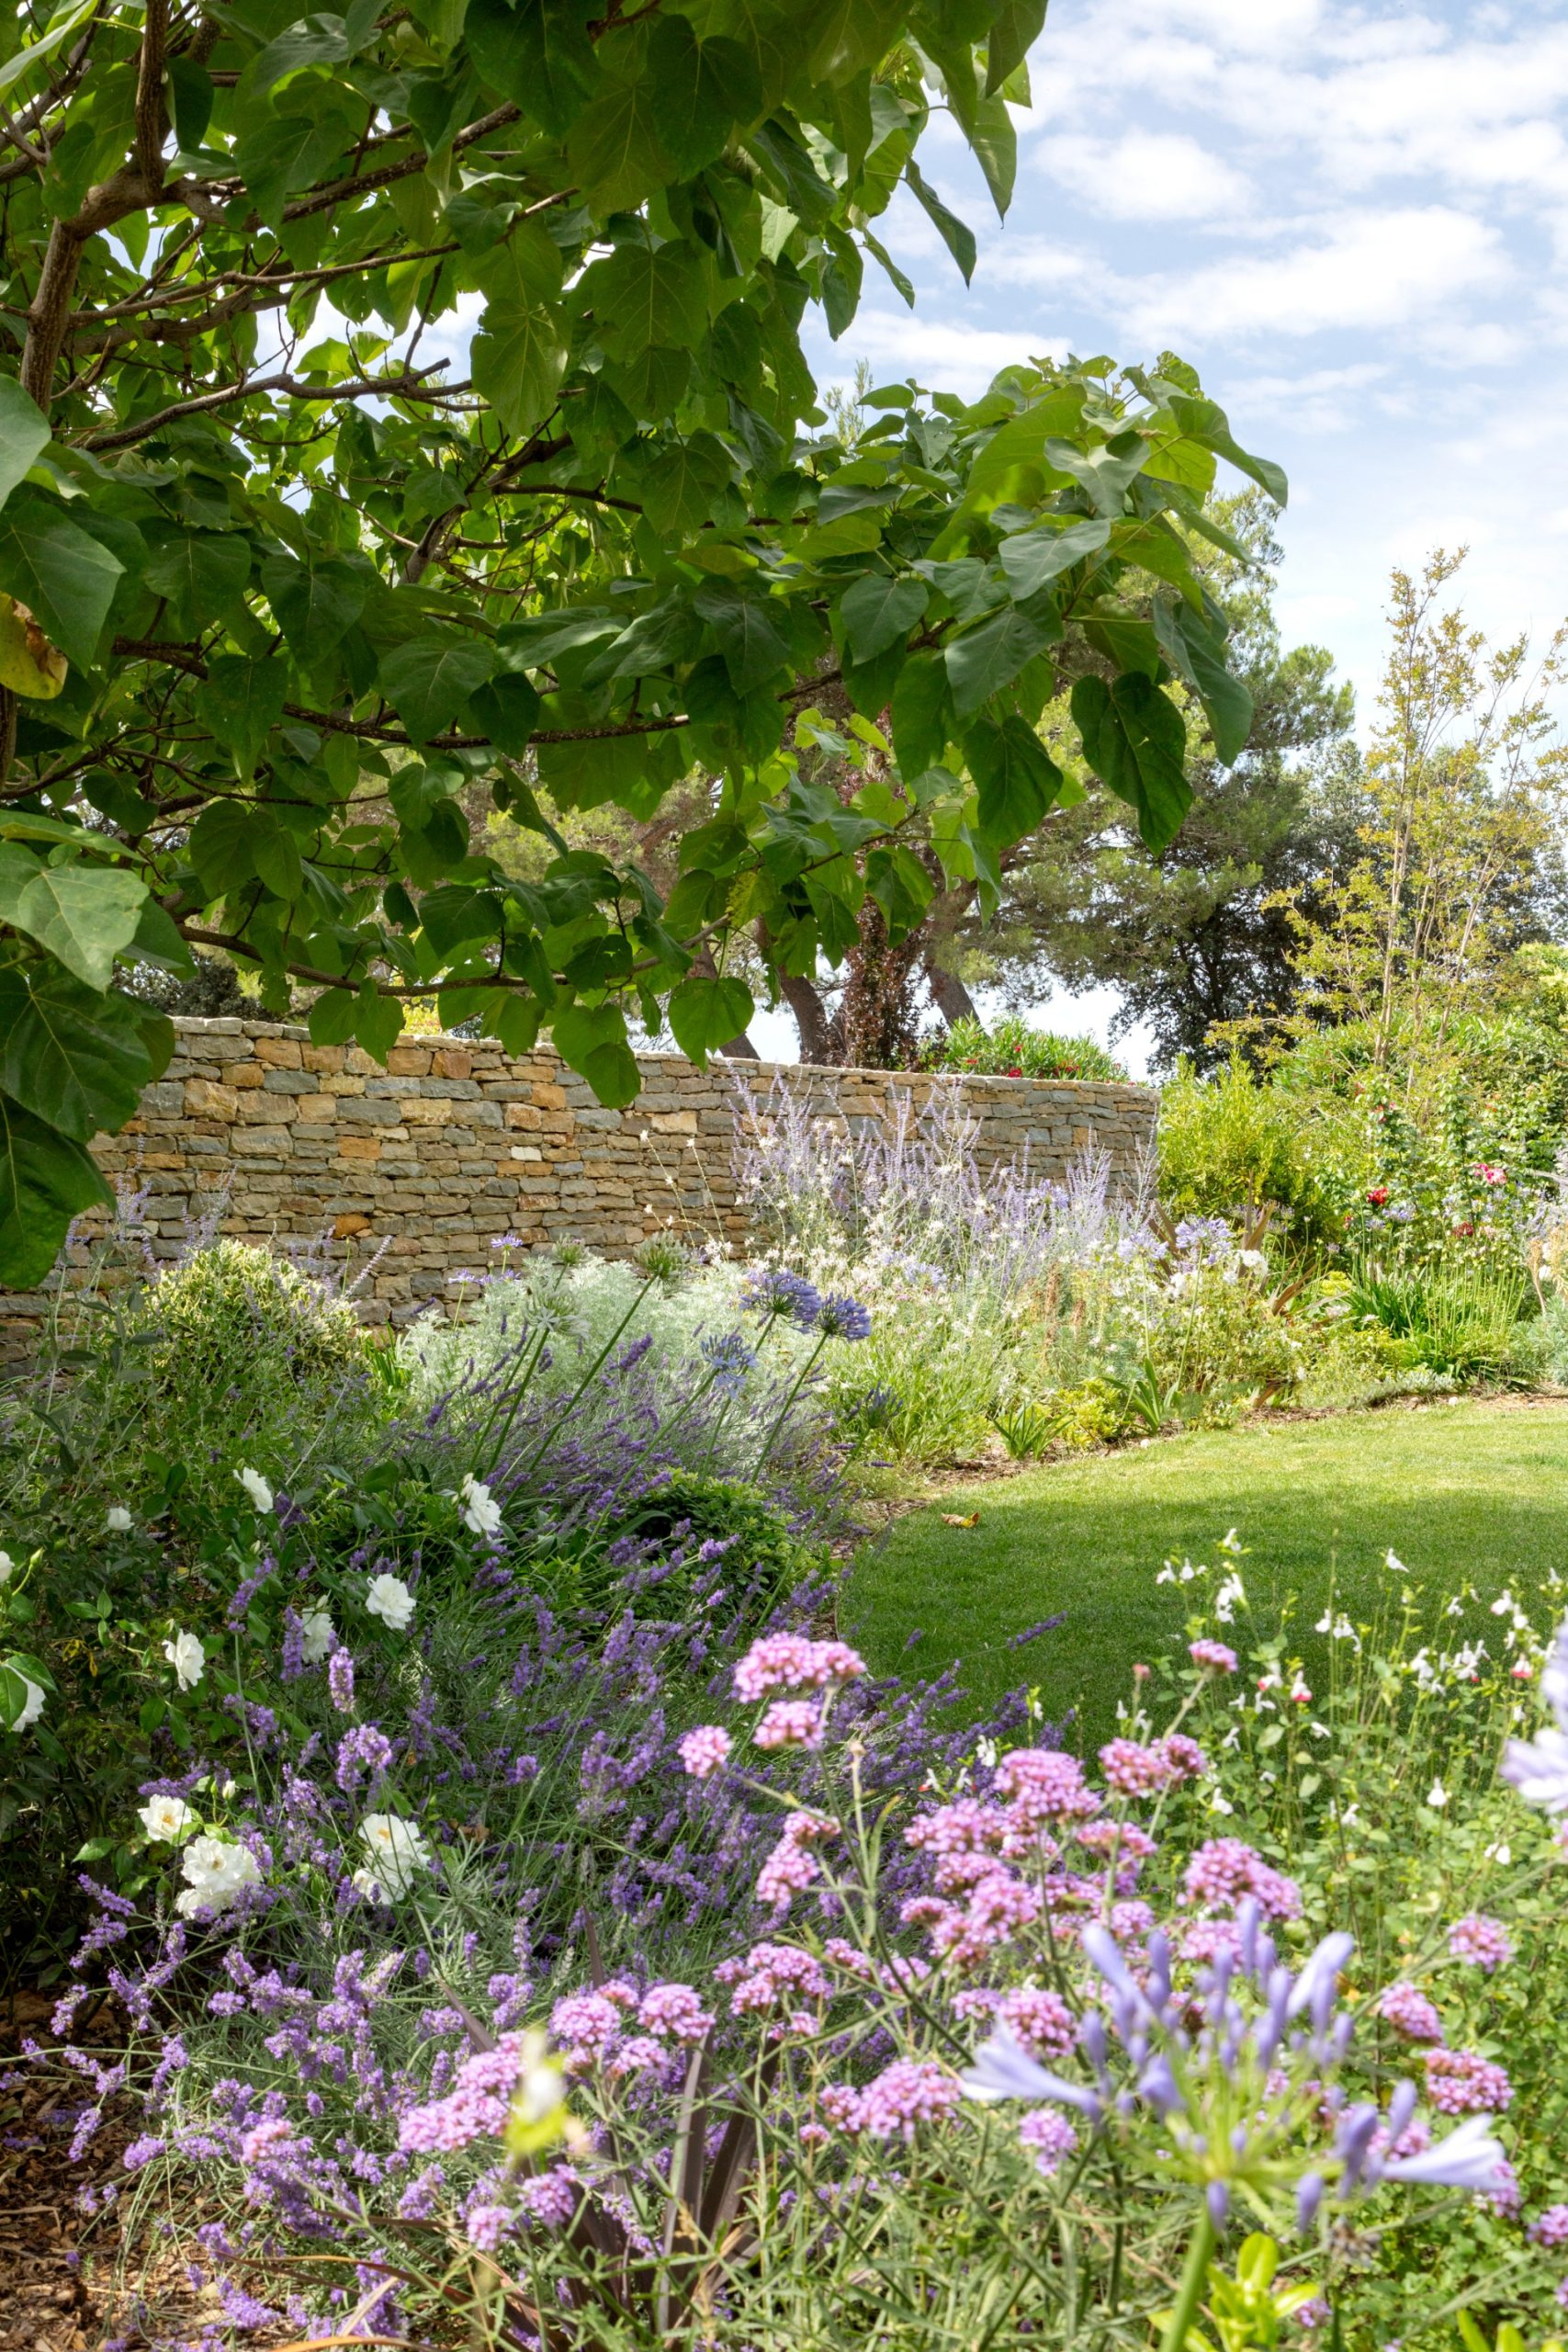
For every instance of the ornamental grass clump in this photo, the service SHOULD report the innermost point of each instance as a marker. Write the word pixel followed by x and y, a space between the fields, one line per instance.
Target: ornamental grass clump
pixel 715 1996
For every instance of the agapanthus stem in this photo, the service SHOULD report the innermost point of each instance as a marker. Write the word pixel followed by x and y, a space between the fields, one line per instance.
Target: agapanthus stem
pixel 1189 2294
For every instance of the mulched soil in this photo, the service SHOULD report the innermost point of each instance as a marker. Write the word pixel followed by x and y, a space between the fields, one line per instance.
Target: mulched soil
pixel 66 2276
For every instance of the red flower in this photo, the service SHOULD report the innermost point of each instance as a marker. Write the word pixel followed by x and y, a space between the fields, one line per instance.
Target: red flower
pixel 1016 1070
pixel 1377 1196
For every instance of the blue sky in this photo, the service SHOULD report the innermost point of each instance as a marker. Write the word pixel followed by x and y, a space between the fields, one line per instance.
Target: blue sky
pixel 1352 219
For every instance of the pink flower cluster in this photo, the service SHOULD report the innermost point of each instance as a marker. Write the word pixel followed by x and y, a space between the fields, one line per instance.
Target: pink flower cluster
pixel 1460 2082
pixel 790 1869
pixel 1223 1872
pixel 477 2106
pixel 549 2198
pixel 1043 1785
pixel 792 1662
pixel 790 1722
pixel 1135 1770
pixel 705 1751
pixel 771 1973
pixel 674 2010
pixel 1410 2013
pixel 1051 2136
pixel 1484 1942
pixel 1040 2020
pixel 1551 2230
pixel 1214 1655
pixel 910 2092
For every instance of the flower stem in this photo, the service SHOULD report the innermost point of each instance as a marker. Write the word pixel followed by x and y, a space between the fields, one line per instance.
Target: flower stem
pixel 1189 2294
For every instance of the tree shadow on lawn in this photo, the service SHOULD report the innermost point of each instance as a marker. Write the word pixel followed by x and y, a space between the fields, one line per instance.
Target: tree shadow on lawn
pixel 1471 1493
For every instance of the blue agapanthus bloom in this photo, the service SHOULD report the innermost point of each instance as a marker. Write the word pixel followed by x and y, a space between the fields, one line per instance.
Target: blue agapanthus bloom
pixel 778 1293
pixel 841 1317
pixel 731 1360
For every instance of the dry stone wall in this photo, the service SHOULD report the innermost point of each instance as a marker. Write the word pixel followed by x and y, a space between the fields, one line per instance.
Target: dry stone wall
pixel 428 1161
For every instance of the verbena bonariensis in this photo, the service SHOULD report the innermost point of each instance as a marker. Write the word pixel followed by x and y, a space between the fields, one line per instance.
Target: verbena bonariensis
pixel 854 2028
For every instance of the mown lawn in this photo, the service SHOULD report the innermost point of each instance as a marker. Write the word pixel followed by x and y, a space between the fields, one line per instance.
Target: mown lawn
pixel 1459 1492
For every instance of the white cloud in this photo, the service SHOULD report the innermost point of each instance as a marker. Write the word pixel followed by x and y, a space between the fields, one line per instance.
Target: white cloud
pixel 1146 176
pixel 1370 270
pixel 960 359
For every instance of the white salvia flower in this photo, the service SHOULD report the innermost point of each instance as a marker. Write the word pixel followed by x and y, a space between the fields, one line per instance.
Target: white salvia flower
pixel 481 1513
pixel 1502 1853
pixel 318 1637
pixel 117 1519
pixel 1455 1608
pixel 1393 1564
pixel 397 1849
pixel 216 1871
pixel 1218 1803
pixel 7 1567
pixel 1437 1796
pixel 391 1600
pixel 1321 1730
pixel 187 1657
pixel 1351 1815
pixel 1232 1591
pixel 986 1753
pixel 1504 1602
pixel 256 1487
pixel 167 1819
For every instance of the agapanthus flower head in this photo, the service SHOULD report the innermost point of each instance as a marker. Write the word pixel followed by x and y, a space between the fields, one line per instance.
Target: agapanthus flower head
pixel 731 1359
pixel 774 1293
pixel 1483 1941
pixel 705 1751
pixel 841 1317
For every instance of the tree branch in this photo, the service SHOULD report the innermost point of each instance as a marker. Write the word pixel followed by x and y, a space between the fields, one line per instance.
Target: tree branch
pixel 401 388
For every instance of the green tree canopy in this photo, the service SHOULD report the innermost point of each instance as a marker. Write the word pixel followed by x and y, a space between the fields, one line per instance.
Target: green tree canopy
pixel 410 398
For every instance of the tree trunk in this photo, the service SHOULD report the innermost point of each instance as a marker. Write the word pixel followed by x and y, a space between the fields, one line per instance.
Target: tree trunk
pixel 949 995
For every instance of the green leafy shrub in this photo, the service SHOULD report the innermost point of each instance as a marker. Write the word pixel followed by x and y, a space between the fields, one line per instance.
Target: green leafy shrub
pixel 694 1508
pixel 1012 1049
pixel 236 1315
pixel 1459 1319
pixel 1236 1141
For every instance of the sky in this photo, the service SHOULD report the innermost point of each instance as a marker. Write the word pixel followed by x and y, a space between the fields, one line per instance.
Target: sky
pixel 1351 219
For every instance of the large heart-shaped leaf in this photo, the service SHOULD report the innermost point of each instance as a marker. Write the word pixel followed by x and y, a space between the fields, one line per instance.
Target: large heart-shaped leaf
pixel 428 681
pixel 82 914
pixel 46 1180
pixel 73 1057
pixel 65 579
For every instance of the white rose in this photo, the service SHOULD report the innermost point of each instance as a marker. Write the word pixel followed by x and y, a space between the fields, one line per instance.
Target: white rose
pixel 32 1702
pixel 481 1513
pixel 215 1872
pixel 117 1519
pixel 187 1657
pixel 391 1600
pixel 364 1881
pixel 318 1637
pixel 167 1819
pixel 397 1850
pixel 7 1565
pixel 256 1487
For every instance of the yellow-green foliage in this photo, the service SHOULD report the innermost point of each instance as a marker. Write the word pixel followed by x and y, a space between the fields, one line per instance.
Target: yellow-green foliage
pixel 1232 1142
pixel 233 1312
